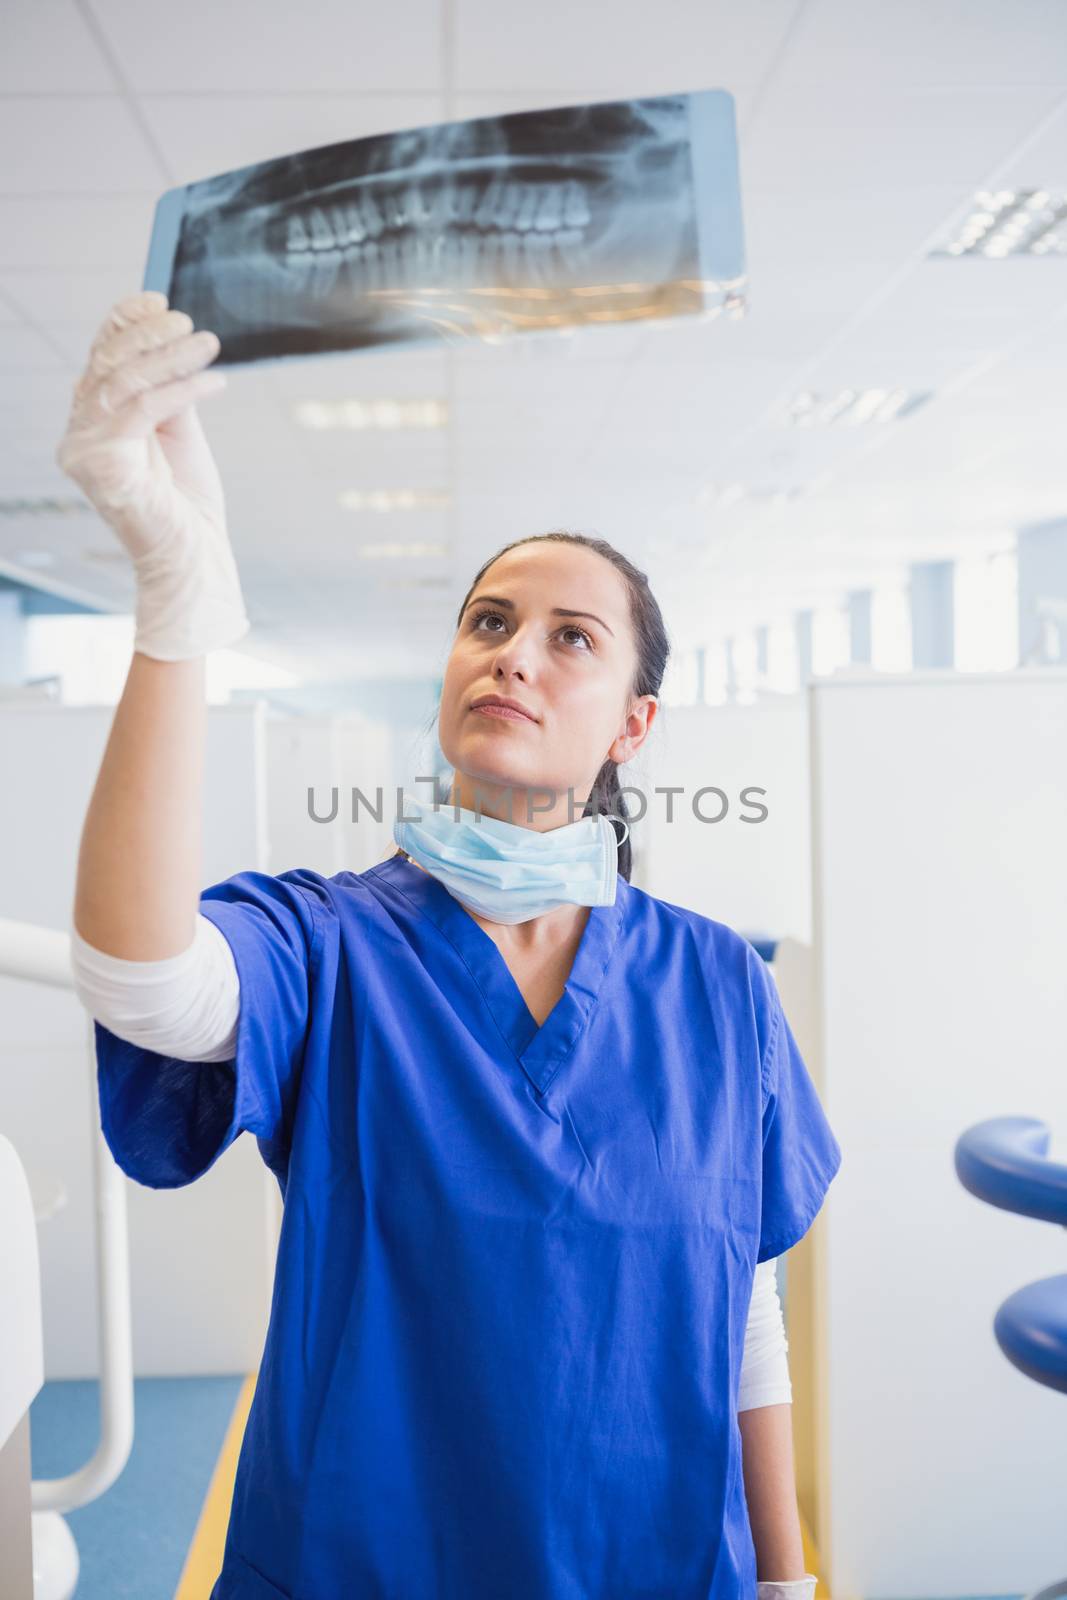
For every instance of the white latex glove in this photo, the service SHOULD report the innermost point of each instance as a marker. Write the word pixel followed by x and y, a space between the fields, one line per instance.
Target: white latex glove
pixel 135 446
pixel 798 1589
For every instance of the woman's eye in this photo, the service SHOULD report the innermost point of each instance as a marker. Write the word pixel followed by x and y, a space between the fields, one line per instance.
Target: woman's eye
pixel 481 615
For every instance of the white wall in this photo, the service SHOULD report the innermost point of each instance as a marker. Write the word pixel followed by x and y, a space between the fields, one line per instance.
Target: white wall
pixel 940 938
pixel 327 753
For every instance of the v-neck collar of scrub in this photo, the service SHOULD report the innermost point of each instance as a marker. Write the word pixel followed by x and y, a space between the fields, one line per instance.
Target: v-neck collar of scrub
pixel 540 1050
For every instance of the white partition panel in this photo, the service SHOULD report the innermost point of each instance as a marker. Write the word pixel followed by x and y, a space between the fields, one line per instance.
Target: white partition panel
pixel 753 875
pixel 301 755
pixel 200 1255
pixel 940 832
pixel 331 756
pixel 371 758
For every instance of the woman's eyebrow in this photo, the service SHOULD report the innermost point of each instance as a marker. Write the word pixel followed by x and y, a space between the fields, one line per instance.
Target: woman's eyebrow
pixel 557 611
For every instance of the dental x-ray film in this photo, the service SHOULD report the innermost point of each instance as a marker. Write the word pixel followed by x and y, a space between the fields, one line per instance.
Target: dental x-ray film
pixel 618 211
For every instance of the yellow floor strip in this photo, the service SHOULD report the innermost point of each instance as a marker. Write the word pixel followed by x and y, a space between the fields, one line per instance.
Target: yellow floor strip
pixel 204 1561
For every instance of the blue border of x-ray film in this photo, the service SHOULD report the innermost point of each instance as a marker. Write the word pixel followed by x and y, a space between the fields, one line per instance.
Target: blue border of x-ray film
pixel 166 225
pixel 716 184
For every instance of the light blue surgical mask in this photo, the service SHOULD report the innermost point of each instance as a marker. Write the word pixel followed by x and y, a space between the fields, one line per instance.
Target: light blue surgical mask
pixel 506 872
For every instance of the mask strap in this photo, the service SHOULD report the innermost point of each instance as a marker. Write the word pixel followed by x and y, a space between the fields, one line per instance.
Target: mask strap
pixel 613 818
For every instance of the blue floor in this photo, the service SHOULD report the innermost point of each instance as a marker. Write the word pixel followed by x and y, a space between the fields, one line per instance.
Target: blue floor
pixel 133 1540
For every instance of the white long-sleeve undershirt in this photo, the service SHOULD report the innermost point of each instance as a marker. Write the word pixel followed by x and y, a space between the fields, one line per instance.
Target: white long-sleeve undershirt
pixel 186 1006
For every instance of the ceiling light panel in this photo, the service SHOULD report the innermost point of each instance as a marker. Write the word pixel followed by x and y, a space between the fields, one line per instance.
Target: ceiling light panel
pixel 23 506
pixel 395 550
pixel 380 413
pixel 1011 222
pixel 393 499
pixel 854 407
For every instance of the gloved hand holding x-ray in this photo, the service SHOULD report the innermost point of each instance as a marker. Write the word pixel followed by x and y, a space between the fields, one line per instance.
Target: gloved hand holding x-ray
pixel 615 211
pixel 134 445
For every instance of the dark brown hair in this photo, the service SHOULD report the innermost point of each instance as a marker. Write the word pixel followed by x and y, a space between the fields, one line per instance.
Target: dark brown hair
pixel 653 649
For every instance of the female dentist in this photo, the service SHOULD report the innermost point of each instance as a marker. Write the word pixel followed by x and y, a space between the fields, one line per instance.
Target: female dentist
pixel 540 1135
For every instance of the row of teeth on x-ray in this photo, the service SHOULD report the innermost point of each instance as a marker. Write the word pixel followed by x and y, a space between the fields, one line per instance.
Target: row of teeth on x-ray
pixel 453 237
pixel 504 204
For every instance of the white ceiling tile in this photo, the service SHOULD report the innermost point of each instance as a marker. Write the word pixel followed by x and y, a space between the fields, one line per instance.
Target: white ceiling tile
pixel 49 294
pixel 246 45
pixel 821 262
pixel 48 49
pixel 35 403
pixel 810 137
pixel 777 456
pixel 515 387
pixel 201 135
pixel 799 318
pixel 794 238
pixel 36 457
pixel 911 363
pixel 377 461
pixel 397 373
pixel 72 340
pixel 52 230
pixel 1041 163
pixel 776 327
pixel 629 49
pixel 80 144
pixel 942 319
pixel 915 42
pixel 25 350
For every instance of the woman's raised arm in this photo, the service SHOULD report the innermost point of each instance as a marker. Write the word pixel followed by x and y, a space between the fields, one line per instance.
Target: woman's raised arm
pixel 135 446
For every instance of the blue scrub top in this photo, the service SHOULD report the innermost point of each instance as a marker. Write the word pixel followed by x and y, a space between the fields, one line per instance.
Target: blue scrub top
pixel 515 1262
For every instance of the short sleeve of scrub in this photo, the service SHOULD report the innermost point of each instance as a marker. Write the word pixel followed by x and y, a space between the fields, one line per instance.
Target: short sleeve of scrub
pixel 166 1121
pixel 801 1156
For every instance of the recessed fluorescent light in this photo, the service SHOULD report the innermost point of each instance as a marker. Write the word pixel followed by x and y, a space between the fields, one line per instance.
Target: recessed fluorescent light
pixel 35 558
pixel 854 406
pixel 1011 222
pixel 394 550
pixel 393 499
pixel 381 413
pixel 44 507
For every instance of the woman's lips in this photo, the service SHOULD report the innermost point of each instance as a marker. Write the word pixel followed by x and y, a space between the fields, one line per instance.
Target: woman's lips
pixel 502 711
